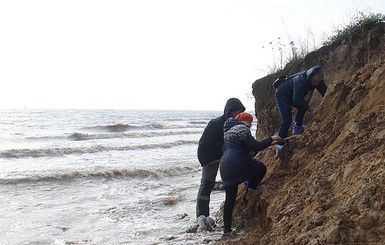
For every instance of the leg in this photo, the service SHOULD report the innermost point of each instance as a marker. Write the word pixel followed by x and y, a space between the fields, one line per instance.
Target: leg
pixel 284 108
pixel 209 173
pixel 231 194
pixel 258 171
pixel 299 117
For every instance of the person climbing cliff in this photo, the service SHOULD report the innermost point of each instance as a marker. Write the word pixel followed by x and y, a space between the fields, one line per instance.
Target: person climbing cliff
pixel 291 92
pixel 209 154
pixel 237 164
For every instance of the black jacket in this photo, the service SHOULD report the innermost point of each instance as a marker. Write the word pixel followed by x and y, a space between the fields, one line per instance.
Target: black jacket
pixel 236 160
pixel 211 142
pixel 298 86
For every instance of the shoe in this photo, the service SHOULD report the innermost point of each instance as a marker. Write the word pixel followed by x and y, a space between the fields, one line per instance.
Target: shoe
pixel 246 183
pixel 192 229
pixel 201 220
pixel 205 223
pixel 298 129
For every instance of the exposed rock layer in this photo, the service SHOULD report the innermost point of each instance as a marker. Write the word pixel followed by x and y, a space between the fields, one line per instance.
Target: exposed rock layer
pixel 332 191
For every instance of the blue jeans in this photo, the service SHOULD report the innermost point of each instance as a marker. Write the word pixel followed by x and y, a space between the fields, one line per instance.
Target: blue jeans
pixel 284 107
pixel 209 174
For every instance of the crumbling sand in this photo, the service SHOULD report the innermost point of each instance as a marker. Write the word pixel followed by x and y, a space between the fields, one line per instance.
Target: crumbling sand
pixel 332 191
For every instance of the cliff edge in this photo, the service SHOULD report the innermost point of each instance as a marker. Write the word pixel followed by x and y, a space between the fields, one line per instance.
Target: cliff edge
pixel 332 190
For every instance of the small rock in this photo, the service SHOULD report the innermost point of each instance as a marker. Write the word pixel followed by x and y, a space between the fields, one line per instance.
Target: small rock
pixel 318 221
pixel 314 242
pixel 364 201
pixel 181 216
pixel 333 235
pixel 168 238
pixel 368 221
pixel 192 229
pixel 345 222
pixel 340 212
pixel 326 206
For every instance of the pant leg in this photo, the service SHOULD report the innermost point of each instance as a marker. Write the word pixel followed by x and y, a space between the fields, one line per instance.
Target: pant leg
pixel 299 117
pixel 231 194
pixel 257 171
pixel 284 108
pixel 209 173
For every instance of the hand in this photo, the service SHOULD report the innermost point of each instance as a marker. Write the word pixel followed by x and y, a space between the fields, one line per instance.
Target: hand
pixel 276 140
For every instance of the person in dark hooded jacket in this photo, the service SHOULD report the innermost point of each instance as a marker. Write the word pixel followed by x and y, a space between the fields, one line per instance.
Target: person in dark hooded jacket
pixel 237 164
pixel 210 152
pixel 292 93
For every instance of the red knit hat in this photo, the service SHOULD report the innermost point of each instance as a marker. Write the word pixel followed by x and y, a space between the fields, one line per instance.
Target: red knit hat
pixel 245 117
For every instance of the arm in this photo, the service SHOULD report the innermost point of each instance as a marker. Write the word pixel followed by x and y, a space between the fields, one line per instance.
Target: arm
pixel 255 145
pixel 322 88
pixel 204 142
pixel 299 93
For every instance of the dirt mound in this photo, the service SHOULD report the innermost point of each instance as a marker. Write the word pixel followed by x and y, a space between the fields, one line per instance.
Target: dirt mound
pixel 333 189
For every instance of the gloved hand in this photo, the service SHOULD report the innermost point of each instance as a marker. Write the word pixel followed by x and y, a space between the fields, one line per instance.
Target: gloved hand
pixel 298 129
pixel 276 140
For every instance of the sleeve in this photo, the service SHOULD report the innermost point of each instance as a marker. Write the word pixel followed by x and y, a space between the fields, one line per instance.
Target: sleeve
pixel 299 93
pixel 322 88
pixel 204 143
pixel 256 145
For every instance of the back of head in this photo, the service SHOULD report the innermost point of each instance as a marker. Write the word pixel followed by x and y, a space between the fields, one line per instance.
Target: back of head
pixel 245 118
pixel 232 105
pixel 315 70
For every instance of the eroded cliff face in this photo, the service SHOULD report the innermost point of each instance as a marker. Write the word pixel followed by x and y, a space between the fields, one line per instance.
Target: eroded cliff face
pixel 332 190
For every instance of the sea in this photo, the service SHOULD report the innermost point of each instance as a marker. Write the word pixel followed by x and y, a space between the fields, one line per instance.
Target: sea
pixel 101 176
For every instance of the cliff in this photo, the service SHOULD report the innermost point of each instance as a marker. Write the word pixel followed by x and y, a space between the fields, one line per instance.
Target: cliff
pixel 332 190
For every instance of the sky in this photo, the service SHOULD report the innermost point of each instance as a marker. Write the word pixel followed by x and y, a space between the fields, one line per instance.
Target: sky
pixel 152 54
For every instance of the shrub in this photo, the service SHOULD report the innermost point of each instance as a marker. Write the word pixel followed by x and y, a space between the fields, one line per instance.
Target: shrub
pixel 353 26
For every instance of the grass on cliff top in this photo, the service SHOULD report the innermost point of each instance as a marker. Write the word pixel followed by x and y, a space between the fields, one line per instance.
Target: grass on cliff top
pixel 282 52
pixel 360 20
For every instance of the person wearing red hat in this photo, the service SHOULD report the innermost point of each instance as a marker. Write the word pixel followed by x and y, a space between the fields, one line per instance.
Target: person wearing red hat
pixel 237 164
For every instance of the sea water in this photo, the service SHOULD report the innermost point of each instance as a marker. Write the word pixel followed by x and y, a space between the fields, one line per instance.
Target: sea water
pixel 100 176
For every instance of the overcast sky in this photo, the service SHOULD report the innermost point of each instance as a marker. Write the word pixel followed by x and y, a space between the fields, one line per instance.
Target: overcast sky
pixel 150 54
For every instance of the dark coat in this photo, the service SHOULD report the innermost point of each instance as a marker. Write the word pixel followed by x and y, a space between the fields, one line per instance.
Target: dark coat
pixel 297 86
pixel 236 160
pixel 211 143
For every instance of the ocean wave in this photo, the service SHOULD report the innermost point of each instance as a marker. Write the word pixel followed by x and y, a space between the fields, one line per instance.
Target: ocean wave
pixel 114 128
pixel 106 173
pixel 45 138
pixel 198 122
pixel 61 151
pixel 141 134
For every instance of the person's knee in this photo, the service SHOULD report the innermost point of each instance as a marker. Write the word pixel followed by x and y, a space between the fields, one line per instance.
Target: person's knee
pixel 263 168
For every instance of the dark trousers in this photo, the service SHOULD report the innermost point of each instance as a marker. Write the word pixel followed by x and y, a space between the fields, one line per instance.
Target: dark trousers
pixel 284 107
pixel 209 173
pixel 231 195
pixel 255 174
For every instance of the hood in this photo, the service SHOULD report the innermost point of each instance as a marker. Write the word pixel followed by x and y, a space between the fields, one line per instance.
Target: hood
pixel 312 71
pixel 233 104
pixel 231 122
